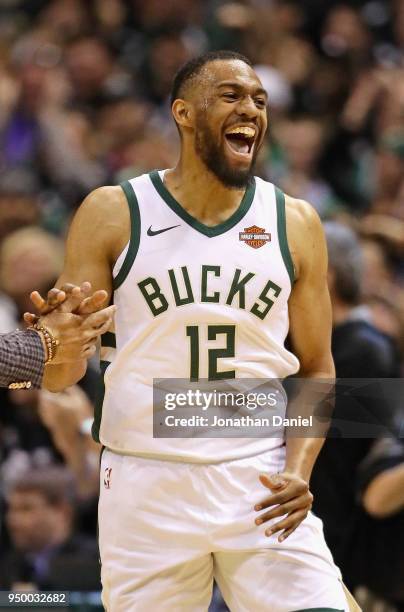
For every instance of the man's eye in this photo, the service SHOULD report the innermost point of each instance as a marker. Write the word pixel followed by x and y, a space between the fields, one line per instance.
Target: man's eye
pixel 230 96
pixel 260 102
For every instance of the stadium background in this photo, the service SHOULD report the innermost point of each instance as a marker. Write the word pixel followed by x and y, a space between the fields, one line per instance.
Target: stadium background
pixel 84 88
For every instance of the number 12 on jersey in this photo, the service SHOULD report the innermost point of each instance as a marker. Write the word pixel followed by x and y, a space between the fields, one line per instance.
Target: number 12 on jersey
pixel 229 331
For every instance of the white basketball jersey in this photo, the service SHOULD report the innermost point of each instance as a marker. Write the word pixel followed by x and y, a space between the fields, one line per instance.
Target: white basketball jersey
pixel 194 302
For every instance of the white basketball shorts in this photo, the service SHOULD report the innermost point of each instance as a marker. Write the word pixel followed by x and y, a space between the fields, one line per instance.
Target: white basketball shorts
pixel 167 528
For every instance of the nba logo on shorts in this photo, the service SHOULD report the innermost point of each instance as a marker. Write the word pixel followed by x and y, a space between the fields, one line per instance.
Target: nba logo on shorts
pixel 107 478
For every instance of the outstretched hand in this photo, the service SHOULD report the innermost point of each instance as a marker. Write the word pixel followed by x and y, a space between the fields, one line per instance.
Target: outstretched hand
pixel 69 298
pixel 75 317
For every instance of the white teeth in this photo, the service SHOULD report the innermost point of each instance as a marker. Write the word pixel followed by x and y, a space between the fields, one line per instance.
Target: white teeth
pixel 247 131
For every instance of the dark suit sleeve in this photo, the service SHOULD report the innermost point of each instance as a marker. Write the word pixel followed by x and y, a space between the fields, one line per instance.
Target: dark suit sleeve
pixel 21 359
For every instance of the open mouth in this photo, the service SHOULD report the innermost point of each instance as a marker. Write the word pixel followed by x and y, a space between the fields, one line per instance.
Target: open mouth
pixel 241 139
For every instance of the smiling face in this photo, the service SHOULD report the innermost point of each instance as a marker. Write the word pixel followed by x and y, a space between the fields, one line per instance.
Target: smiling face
pixel 228 109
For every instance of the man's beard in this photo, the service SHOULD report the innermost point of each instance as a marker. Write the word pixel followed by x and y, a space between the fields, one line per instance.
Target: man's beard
pixel 215 160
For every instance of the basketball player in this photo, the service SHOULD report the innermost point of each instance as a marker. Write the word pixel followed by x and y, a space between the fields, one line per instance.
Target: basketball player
pixel 169 246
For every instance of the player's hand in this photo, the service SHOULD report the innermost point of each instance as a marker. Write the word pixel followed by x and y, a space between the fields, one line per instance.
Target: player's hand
pixel 290 496
pixel 70 298
pixel 81 301
pixel 54 298
pixel 77 334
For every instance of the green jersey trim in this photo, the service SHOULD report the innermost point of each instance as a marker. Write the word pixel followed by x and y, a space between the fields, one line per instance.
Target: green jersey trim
pixel 99 400
pixel 134 234
pixel 211 232
pixel 282 236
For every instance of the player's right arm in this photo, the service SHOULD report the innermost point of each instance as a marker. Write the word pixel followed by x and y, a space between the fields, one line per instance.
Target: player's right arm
pixel 98 234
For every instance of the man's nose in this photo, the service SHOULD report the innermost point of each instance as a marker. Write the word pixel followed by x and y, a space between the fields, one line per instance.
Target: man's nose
pixel 247 107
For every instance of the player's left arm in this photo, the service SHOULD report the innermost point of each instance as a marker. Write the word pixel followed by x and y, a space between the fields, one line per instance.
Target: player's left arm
pixel 310 320
pixel 310 332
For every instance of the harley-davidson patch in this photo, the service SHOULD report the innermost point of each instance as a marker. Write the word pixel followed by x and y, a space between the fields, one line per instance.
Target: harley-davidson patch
pixel 255 236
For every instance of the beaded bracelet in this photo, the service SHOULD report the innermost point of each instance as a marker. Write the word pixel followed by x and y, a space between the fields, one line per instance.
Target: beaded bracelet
pixel 50 341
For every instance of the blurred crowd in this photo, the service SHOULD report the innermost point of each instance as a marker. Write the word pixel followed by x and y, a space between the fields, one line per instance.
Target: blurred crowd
pixel 84 101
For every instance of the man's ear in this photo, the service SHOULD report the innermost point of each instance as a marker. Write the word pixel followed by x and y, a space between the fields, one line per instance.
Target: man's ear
pixel 182 113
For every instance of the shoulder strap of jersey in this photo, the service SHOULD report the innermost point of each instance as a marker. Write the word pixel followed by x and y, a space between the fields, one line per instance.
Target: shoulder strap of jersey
pixel 134 234
pixel 282 235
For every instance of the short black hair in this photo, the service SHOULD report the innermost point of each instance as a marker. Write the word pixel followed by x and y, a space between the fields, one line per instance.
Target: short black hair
pixel 194 66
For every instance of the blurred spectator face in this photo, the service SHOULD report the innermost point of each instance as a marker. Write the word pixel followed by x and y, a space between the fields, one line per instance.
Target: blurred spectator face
pixel 288 16
pixel 65 17
pixel 121 122
pixel 167 55
pixel 302 141
pixel 344 32
pixel 155 14
pixel 110 15
pixel 30 259
pixel 89 64
pixel 295 59
pixel 16 211
pixel 33 521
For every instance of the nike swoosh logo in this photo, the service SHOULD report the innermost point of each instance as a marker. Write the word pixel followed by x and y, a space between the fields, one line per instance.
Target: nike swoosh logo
pixel 150 232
